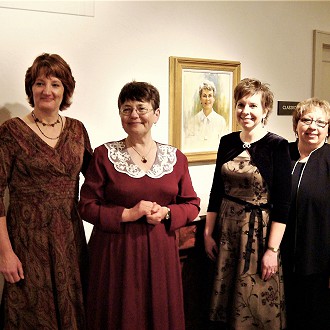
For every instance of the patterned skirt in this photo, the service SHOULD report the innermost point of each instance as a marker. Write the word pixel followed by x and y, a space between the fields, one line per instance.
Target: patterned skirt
pixel 240 298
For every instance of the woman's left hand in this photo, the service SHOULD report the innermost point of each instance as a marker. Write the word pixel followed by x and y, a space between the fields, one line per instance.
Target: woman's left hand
pixel 157 214
pixel 269 265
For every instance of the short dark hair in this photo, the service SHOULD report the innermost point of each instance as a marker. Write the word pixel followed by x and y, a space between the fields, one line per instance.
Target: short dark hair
pixel 51 65
pixel 139 91
pixel 250 86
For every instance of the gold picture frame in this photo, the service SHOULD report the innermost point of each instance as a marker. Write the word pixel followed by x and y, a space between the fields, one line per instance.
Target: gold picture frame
pixel 187 76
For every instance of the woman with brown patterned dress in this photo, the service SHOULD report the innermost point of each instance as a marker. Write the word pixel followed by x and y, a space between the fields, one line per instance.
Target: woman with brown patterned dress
pixel 42 240
pixel 250 198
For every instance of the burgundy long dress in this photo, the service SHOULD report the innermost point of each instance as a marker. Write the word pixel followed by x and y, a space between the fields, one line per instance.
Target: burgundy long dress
pixel 135 279
pixel 44 226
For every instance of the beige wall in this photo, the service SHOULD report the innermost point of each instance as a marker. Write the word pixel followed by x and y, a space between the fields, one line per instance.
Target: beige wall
pixel 133 40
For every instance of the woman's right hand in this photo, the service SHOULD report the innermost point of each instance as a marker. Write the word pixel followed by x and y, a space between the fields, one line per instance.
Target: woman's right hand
pixel 141 209
pixel 211 247
pixel 11 267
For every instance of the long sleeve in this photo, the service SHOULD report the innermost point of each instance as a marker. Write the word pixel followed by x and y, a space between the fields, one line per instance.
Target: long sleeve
pixel 7 155
pixel 87 153
pixel 281 188
pixel 186 206
pixel 271 156
pixel 217 188
pixel 3 181
pixel 111 186
pixel 230 146
pixel 93 206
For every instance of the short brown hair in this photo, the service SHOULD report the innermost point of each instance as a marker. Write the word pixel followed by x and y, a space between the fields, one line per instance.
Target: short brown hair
pixel 307 106
pixel 51 65
pixel 250 86
pixel 139 91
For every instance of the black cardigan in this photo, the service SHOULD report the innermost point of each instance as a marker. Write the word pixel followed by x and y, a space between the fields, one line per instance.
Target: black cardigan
pixel 307 238
pixel 271 156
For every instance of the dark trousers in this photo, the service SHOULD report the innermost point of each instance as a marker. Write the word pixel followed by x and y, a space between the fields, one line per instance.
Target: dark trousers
pixel 308 301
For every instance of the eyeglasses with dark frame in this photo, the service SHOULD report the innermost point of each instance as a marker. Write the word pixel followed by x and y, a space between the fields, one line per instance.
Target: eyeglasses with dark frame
pixel 140 110
pixel 318 122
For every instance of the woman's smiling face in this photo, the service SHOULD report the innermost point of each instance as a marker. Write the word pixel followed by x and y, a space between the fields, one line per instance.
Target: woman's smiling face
pixel 309 131
pixel 207 99
pixel 136 123
pixel 249 111
pixel 47 93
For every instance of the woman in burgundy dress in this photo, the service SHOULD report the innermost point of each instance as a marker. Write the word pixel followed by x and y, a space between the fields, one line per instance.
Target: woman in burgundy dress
pixel 137 192
pixel 42 241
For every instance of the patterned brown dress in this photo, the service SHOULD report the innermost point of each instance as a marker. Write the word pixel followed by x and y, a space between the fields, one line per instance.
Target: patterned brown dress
pixel 239 297
pixel 45 229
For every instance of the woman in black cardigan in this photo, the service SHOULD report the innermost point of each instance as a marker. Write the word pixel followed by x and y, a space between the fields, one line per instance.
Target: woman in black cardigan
pixel 248 209
pixel 306 243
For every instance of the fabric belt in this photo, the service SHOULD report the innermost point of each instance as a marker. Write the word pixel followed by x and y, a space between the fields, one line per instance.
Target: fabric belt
pixel 256 212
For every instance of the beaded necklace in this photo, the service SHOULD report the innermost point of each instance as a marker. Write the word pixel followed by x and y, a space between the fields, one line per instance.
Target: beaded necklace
pixel 59 120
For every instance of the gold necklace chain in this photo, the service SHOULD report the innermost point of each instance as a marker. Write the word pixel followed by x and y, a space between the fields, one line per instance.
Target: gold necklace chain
pixel 143 158
pixel 36 120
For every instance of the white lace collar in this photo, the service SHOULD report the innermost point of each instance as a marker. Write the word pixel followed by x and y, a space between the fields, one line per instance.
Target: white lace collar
pixel 121 160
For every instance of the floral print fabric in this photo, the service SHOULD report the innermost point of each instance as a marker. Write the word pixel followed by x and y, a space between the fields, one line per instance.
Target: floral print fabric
pixel 241 299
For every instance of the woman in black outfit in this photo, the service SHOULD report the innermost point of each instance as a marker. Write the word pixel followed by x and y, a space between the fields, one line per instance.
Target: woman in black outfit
pixel 306 243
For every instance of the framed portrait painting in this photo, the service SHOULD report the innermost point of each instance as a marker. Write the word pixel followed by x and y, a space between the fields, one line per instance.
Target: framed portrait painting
pixel 201 105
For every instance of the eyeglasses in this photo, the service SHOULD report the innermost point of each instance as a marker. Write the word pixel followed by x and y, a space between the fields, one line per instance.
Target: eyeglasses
pixel 308 121
pixel 140 110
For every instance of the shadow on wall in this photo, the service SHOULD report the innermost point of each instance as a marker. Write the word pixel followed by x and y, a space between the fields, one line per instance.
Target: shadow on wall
pixel 13 110
pixel 6 112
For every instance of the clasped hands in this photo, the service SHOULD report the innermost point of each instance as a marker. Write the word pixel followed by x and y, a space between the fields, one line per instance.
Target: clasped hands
pixel 153 212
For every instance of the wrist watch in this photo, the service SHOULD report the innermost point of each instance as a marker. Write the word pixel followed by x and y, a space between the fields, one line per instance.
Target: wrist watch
pixel 168 214
pixel 273 249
